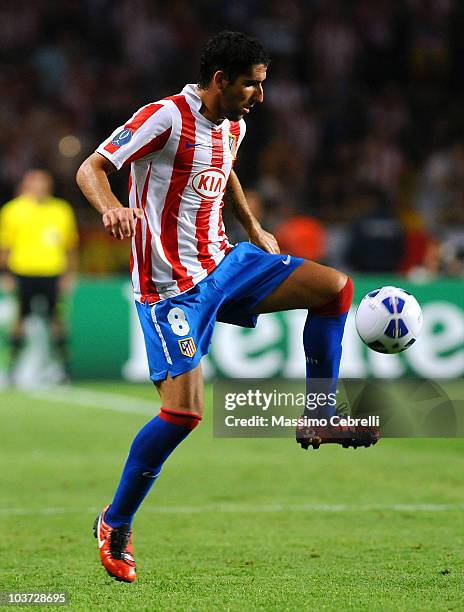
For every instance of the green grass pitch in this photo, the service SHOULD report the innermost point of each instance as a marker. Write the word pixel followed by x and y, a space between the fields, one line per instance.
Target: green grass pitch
pixel 231 524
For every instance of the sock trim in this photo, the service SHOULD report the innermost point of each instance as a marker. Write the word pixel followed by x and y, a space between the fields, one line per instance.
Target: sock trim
pixel 178 417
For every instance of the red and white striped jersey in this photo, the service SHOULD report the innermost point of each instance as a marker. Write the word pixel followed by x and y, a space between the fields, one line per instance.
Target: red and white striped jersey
pixel 180 165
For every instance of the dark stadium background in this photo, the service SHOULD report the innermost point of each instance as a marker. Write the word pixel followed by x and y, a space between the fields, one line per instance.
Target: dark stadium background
pixel 362 121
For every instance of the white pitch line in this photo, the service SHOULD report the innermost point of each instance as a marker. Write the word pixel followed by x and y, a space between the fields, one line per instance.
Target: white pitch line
pixel 93 398
pixel 248 509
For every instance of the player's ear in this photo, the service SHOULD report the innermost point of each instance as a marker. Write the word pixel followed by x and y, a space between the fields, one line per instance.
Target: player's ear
pixel 220 79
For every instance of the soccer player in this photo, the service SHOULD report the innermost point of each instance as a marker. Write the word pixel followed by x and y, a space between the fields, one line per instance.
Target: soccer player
pixel 181 152
pixel 38 240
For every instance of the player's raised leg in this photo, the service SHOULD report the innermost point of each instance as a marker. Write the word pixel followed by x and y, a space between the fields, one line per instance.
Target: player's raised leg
pixel 310 285
pixel 181 412
pixel 327 294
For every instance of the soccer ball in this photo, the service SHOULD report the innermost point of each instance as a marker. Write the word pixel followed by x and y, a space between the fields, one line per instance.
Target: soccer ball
pixel 389 320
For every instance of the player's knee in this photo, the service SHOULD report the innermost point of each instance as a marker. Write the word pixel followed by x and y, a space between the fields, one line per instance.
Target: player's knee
pixel 342 282
pixel 342 289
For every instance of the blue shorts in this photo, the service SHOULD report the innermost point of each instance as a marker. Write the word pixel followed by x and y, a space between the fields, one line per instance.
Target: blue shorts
pixel 178 330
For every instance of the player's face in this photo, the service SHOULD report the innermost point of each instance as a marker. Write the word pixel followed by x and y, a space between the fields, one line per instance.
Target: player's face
pixel 239 97
pixel 37 183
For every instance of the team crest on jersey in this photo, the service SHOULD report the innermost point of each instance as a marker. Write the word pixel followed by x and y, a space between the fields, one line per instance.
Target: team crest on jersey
pixel 122 138
pixel 187 347
pixel 209 183
pixel 233 145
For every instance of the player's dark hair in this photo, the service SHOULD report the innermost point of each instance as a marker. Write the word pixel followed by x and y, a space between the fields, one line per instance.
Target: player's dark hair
pixel 233 52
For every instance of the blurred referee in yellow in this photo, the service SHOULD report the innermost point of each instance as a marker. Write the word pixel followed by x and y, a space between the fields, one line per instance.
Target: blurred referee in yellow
pixel 38 241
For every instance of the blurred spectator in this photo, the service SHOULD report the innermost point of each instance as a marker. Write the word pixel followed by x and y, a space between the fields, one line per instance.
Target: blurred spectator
pixel 302 236
pixel 356 91
pixel 430 266
pixel 420 245
pixel 38 239
pixel 381 163
pixel 278 27
pixel 452 255
pixel 440 195
pixel 334 43
pixel 377 241
pixel 429 50
pixel 389 113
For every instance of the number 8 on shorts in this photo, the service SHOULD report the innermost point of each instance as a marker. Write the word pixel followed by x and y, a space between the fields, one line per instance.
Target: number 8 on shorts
pixel 178 322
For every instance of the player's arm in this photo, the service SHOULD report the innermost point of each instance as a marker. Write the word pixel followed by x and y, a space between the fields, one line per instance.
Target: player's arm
pixel 68 279
pixel 4 254
pixel 236 198
pixel 4 274
pixel 6 233
pixel 92 178
pixel 7 281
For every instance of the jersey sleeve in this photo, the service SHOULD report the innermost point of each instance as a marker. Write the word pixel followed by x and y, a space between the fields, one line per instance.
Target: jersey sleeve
pixel 147 131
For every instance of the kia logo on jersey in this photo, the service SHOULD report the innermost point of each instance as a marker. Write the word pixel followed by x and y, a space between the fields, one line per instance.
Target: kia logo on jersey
pixel 209 183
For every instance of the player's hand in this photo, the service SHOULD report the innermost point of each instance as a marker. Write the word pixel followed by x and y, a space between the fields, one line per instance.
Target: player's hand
pixel 264 240
pixel 67 283
pixel 7 282
pixel 120 222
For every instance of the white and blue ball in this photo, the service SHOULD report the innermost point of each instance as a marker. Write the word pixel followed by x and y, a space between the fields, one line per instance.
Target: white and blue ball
pixel 389 319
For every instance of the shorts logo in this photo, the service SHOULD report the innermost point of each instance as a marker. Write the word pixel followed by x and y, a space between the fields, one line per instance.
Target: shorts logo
pixel 187 347
pixel 122 138
pixel 209 183
pixel 233 145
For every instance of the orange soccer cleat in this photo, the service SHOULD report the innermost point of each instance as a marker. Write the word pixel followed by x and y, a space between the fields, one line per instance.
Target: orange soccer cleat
pixel 115 545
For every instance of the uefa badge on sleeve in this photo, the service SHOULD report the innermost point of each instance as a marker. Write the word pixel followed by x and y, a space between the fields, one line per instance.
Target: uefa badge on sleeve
pixel 187 347
pixel 122 137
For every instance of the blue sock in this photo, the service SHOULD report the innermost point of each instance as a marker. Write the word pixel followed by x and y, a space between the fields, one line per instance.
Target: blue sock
pixel 322 340
pixel 150 449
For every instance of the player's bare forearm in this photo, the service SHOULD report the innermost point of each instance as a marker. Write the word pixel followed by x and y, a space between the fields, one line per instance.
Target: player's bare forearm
pixel 7 281
pixel 92 178
pixel 68 279
pixel 236 198
pixel 4 254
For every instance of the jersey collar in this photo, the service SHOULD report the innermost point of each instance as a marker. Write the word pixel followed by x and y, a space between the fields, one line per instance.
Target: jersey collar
pixel 190 91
